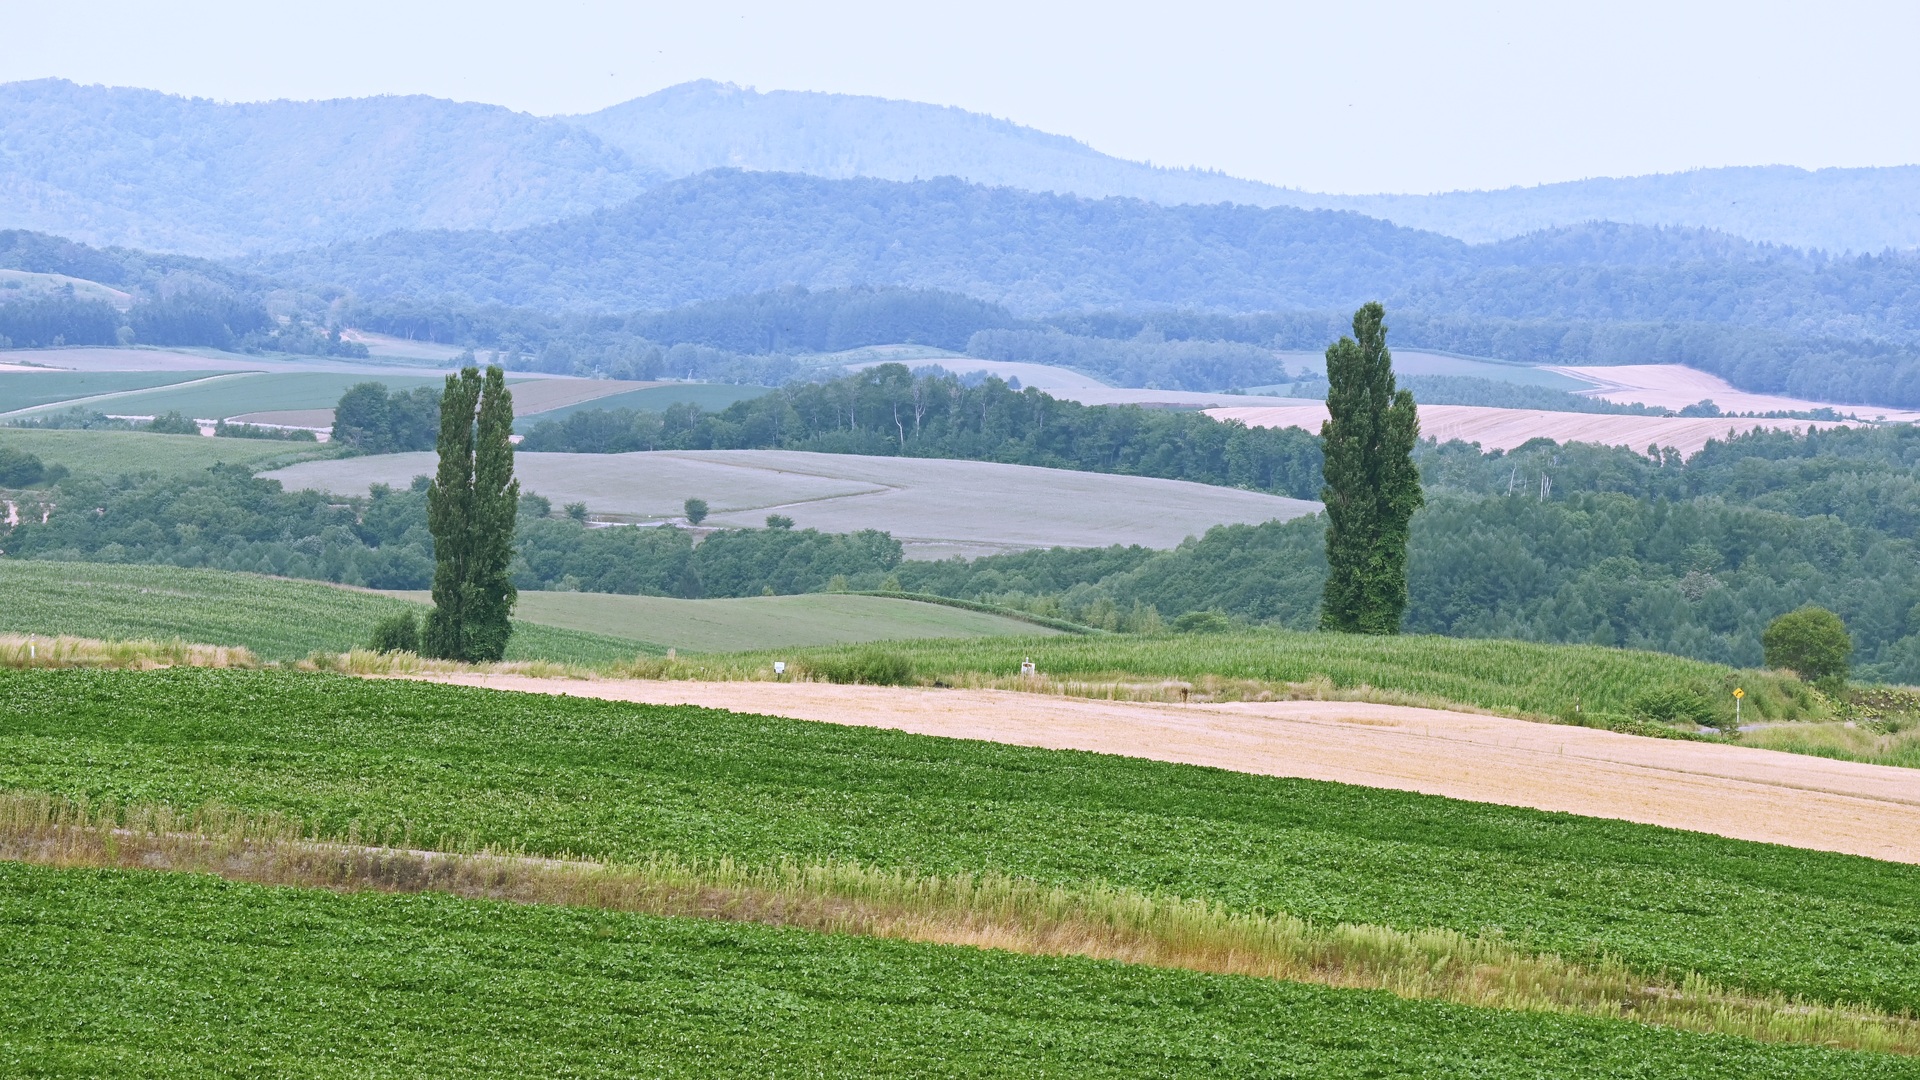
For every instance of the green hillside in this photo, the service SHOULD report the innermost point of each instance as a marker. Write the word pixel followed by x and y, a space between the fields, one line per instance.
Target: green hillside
pixel 430 985
pixel 437 766
pixel 276 618
pixel 113 453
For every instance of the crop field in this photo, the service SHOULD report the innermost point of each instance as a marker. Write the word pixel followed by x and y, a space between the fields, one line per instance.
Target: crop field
pixel 433 985
pixel 446 767
pixel 1675 386
pixel 276 618
pixel 936 508
pixel 24 388
pixel 757 622
pixel 245 392
pixel 1511 678
pixel 113 453
pixel 1504 429
pixel 649 397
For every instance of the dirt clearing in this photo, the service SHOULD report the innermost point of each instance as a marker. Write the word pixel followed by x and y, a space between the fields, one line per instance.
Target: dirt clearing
pixel 1748 794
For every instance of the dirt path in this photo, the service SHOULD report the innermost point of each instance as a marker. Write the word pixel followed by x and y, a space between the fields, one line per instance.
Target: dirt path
pixel 1749 794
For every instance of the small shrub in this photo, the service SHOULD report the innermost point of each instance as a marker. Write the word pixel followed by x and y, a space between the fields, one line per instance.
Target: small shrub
pixel 1673 705
pixel 396 633
pixel 174 423
pixel 1812 643
pixel 1202 622
pixel 779 521
pixel 872 667
pixel 578 511
pixel 19 468
pixel 696 511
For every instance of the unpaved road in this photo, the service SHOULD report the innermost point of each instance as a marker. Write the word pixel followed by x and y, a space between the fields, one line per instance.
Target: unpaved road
pixel 1749 794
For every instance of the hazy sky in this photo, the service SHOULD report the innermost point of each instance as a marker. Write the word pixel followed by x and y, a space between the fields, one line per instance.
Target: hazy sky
pixel 1331 97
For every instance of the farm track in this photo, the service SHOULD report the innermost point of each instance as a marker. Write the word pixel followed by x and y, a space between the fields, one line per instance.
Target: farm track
pixel 1733 791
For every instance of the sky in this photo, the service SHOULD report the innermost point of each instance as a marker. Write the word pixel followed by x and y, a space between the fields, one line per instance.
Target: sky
pixel 1349 98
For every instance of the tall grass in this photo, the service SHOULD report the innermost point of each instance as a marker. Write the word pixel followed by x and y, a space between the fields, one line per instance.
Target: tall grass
pixel 23 651
pixel 1876 743
pixel 992 911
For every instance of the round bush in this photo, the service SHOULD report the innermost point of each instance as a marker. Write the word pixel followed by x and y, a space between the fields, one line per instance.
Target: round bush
pixel 1812 643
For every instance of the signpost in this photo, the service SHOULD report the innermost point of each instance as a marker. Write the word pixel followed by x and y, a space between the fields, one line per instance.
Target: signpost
pixel 1737 695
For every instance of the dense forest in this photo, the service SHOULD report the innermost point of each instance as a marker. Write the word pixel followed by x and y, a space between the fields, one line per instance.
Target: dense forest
pixel 888 410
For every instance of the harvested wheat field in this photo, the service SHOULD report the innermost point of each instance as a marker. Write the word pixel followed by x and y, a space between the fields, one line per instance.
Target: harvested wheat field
pixel 1504 429
pixel 1676 386
pixel 1739 792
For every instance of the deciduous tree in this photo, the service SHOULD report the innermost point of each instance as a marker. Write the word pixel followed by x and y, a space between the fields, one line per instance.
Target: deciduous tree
pixel 470 511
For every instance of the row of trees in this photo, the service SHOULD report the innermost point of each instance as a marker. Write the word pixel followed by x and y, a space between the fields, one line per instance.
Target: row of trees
pixel 887 410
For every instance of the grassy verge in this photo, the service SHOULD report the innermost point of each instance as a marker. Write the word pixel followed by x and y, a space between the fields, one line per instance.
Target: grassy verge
pixel 453 768
pixel 141 974
pixel 990 911
pixel 1578 683
pixel 1016 614
pixel 276 618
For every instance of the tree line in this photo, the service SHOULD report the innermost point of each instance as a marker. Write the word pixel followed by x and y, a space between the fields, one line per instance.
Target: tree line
pixel 888 410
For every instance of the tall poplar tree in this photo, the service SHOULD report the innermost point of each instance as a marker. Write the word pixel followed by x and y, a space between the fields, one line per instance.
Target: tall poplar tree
pixel 470 511
pixel 1372 487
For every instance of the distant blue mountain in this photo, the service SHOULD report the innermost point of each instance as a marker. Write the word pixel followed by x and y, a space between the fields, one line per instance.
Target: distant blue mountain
pixel 159 172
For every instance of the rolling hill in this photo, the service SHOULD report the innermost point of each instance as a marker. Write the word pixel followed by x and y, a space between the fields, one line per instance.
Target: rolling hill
pixel 113 165
pixel 136 167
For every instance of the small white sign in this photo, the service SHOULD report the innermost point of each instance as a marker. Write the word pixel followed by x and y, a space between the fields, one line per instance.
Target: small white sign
pixel 779 667
pixel 1026 667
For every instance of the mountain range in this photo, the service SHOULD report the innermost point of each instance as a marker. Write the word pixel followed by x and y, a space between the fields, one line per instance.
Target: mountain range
pixel 145 169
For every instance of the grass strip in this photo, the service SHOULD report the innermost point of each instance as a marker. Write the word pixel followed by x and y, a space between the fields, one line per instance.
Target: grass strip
pixel 130 973
pixel 982 910
pixel 405 763
pixel 1047 621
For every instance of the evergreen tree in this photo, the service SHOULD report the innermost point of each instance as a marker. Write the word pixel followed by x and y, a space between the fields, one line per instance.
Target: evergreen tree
pixel 1372 485
pixel 470 511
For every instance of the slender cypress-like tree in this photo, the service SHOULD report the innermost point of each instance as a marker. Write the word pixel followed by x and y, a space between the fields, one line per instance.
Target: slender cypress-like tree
pixel 470 511
pixel 1372 487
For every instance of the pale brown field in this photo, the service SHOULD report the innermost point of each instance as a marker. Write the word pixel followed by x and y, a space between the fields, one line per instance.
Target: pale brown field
pixel 935 507
pixel 1734 791
pixel 1675 386
pixel 1504 429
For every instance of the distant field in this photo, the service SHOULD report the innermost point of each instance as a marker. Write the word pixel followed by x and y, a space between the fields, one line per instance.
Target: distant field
pixel 1504 429
pixel 935 507
pixel 1675 386
pixel 655 397
pixel 758 622
pixel 1069 385
pixel 20 284
pixel 111 453
pixel 24 388
pixel 254 392
pixel 276 618
pixel 1415 362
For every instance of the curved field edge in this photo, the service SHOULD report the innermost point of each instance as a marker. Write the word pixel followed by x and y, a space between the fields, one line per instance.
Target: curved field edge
pixel 987 911
pixel 439 985
pixel 414 764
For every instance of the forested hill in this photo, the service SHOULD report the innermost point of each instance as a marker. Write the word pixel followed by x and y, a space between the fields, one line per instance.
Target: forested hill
pixel 728 232
pixel 141 168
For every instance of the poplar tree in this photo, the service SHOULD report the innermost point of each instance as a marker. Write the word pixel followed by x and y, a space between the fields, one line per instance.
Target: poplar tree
pixel 1372 486
pixel 470 511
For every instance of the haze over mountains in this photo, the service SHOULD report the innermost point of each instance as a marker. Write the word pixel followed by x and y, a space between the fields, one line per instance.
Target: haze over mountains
pixel 151 170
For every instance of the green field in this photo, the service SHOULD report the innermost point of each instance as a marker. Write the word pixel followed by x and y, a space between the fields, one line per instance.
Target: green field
pixel 23 390
pixel 276 618
pixel 757 622
pixel 711 397
pixel 246 392
pixel 1508 677
pixel 113 453
pixel 440 766
pixel 119 973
